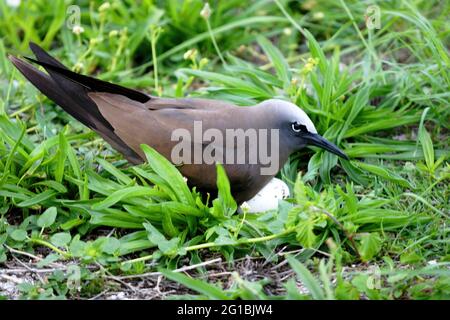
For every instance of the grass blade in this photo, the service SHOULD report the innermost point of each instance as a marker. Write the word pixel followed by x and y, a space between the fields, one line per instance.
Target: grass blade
pixel 305 276
pixel 202 287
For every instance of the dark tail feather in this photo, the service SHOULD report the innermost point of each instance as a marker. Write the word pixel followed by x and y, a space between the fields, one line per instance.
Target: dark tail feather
pixel 73 98
pixel 43 56
pixel 73 90
pixel 48 86
pixel 57 69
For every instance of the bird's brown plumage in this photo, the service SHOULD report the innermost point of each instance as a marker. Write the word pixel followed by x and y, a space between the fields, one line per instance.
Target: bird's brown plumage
pixel 153 122
pixel 127 118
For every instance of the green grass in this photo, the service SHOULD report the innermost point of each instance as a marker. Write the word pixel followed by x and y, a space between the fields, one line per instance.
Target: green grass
pixel 374 227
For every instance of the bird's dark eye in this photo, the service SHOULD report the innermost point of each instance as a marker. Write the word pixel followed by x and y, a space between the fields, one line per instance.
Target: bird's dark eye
pixel 297 127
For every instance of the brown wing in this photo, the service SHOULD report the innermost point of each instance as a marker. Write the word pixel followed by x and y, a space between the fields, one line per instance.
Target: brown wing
pixel 126 118
pixel 153 123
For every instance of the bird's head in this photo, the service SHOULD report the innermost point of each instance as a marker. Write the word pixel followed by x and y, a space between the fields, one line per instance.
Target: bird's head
pixel 296 128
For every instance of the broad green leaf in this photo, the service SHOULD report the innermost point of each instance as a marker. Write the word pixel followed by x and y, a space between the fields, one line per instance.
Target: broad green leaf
pixel 60 239
pixel 111 245
pixel 380 124
pixel 355 173
pixel 305 233
pixel 181 209
pixel 156 180
pixel 383 173
pixel 299 190
pixel 77 246
pixel 38 199
pixel 224 205
pixel 362 283
pixel 169 173
pixel 346 291
pixel 61 158
pixel 167 224
pixel 351 201
pixel 372 218
pixel 115 218
pixel 13 195
pixel 19 235
pixel 72 223
pixel 329 160
pixel 369 245
pixel 277 59
pixel 426 142
pixel 410 257
pixel 124 194
pixel 48 260
pixel 102 185
pixel 46 219
pixel 52 184
pixel 121 177
pixel 359 102
pixel 167 247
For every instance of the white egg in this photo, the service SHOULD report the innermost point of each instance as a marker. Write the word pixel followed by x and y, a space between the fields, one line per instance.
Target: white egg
pixel 267 198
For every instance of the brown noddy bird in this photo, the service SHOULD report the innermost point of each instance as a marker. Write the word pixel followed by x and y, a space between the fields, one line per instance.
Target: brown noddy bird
pixel 127 118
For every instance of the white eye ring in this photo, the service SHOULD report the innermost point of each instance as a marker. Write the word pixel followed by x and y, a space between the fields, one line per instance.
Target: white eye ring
pixel 301 128
pixel 297 127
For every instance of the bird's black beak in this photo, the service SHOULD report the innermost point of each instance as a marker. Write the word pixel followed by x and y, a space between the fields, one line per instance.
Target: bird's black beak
pixel 319 141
